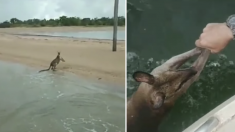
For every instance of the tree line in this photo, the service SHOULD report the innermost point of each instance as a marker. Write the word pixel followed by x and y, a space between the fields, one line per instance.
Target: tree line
pixel 62 21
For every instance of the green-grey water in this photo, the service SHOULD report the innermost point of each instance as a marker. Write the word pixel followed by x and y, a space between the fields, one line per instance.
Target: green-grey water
pixel 158 30
pixel 57 102
pixel 87 34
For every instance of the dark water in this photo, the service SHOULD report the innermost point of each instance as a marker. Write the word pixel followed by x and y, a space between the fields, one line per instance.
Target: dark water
pixel 57 102
pixel 166 28
pixel 87 34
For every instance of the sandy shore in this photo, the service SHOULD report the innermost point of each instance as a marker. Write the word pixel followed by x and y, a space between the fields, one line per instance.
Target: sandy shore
pixel 91 59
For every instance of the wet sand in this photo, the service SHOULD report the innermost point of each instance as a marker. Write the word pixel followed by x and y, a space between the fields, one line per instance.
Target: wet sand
pixel 88 58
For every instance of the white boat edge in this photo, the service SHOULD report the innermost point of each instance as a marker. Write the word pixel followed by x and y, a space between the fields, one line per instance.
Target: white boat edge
pixel 217 120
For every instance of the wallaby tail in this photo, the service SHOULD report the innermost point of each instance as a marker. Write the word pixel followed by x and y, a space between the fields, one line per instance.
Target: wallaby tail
pixel 45 69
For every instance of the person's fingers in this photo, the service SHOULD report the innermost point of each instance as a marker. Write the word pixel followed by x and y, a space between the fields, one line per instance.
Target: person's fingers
pixel 214 51
pixel 198 44
pixel 205 29
pixel 201 43
pixel 210 25
pixel 203 35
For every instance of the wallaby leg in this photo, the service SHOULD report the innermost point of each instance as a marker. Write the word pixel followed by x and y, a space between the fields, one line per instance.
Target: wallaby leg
pixel 198 66
pixel 62 60
pixel 178 60
pixel 201 60
pixel 53 68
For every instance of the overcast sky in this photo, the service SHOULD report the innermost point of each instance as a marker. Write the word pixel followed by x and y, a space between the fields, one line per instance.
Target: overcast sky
pixel 26 9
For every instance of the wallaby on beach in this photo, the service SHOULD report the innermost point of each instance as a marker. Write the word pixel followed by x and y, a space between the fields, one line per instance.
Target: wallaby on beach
pixel 54 63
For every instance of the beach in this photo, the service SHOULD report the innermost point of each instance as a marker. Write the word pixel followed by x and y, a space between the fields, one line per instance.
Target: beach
pixel 88 58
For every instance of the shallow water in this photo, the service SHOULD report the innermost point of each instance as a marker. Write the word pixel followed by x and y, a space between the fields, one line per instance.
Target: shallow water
pixel 87 34
pixel 57 102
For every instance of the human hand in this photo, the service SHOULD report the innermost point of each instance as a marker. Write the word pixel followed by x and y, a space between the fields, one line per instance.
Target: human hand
pixel 215 37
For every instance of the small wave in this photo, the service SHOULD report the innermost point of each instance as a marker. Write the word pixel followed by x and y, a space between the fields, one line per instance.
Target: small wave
pixel 90 124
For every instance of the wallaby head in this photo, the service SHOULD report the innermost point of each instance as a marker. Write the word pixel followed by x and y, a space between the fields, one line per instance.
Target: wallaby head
pixel 60 58
pixel 165 83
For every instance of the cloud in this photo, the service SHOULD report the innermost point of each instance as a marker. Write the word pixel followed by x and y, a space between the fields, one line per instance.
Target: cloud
pixel 27 9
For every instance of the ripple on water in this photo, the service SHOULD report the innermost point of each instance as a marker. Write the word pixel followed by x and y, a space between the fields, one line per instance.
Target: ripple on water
pixel 56 102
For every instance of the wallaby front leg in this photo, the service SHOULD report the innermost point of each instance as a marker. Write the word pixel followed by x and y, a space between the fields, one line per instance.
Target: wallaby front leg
pixel 201 60
pixel 178 60
pixel 53 68
pixel 62 59
pixel 198 66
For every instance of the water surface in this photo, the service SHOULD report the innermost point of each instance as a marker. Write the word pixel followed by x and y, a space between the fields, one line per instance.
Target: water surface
pixel 87 34
pixel 57 102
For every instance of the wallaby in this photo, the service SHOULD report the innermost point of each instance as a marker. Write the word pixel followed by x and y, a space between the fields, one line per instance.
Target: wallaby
pixel 159 90
pixel 54 63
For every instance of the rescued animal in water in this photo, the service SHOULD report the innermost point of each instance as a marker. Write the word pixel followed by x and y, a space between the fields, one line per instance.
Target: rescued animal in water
pixel 159 90
pixel 54 63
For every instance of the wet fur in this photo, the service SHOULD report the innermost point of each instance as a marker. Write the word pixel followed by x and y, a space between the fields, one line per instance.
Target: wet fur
pixel 54 63
pixel 159 90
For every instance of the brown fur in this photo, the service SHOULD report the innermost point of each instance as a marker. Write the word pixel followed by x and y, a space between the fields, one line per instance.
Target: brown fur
pixel 54 63
pixel 159 90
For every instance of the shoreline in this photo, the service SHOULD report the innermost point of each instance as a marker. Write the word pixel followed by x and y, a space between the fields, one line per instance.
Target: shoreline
pixel 38 35
pixel 87 58
pixel 58 29
pixel 94 80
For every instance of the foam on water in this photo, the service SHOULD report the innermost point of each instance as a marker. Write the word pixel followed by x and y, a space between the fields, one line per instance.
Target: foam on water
pixel 57 102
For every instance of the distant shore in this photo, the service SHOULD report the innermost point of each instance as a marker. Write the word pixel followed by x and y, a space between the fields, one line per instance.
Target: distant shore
pixel 89 58
pixel 58 29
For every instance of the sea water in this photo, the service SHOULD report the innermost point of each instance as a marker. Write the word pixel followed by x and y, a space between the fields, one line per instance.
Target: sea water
pixel 57 102
pixel 87 34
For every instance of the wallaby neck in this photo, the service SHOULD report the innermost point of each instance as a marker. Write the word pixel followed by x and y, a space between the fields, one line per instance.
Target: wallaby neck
pixel 58 56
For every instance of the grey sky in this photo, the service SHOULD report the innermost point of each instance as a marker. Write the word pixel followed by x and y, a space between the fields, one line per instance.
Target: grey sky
pixel 26 9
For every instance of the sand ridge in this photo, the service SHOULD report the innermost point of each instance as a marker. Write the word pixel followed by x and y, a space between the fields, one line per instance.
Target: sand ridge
pixel 88 58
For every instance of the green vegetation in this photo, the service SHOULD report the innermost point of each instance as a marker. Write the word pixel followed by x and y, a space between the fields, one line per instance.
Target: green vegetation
pixel 62 21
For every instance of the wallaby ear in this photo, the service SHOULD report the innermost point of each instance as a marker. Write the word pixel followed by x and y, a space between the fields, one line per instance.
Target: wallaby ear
pixel 158 99
pixel 140 76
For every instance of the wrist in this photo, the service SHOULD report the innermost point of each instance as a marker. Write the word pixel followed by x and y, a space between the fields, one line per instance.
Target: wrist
pixel 229 32
pixel 230 23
